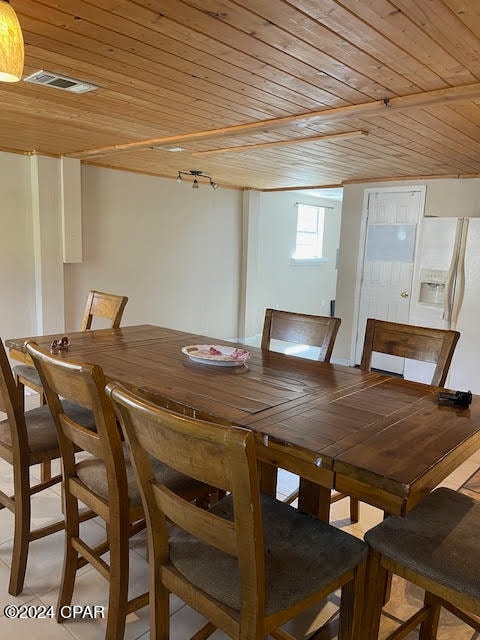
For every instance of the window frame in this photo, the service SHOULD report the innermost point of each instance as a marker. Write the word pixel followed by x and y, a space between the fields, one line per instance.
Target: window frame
pixel 319 236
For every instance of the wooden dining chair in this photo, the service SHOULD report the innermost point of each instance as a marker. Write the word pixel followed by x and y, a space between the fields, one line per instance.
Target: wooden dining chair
pixel 98 305
pixel 104 481
pixel 252 562
pixel 300 328
pixel 410 341
pixel 407 341
pixel 27 439
pixel 103 305
pixel 435 546
pixel 312 331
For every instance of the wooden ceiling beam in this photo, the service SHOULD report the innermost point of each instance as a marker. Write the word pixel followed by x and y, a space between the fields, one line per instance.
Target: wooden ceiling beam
pixel 337 185
pixel 340 185
pixel 279 143
pixel 426 98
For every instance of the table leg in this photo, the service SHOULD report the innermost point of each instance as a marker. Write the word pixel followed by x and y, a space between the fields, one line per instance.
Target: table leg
pixel 268 478
pixel 314 499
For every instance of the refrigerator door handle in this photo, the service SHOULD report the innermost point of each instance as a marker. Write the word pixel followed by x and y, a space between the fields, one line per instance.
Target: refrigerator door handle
pixel 460 276
pixel 452 273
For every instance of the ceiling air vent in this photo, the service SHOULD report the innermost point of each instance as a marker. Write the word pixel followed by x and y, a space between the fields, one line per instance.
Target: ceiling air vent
pixel 60 82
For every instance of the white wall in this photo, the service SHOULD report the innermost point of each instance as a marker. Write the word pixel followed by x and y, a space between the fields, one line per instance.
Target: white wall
pixel 47 244
pixel 281 284
pixel 17 278
pixel 176 252
pixel 445 198
pixel 173 250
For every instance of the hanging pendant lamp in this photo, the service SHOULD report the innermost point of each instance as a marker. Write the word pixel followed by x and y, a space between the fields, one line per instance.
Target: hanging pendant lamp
pixel 11 44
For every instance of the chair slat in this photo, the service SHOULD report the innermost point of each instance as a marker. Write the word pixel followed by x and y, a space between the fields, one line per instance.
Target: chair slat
pixel 103 305
pixel 426 344
pixel 200 523
pixel 299 328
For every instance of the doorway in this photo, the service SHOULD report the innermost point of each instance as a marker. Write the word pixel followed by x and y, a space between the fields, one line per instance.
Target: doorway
pixel 386 260
pixel 273 277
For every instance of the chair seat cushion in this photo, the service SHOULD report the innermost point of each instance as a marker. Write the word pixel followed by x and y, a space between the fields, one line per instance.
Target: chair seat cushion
pixel 29 374
pixel 92 472
pixel 302 555
pixel 437 540
pixel 41 430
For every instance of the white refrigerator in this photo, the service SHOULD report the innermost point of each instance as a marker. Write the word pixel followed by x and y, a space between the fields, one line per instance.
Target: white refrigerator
pixel 446 294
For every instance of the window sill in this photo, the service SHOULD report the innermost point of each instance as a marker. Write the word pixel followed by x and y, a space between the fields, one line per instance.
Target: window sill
pixel 307 262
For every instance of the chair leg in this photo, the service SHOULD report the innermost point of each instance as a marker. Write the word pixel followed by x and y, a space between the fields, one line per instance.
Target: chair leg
pixel 70 560
pixel 21 535
pixel 118 592
pixel 46 466
pixel 21 392
pixel 159 594
pixel 376 579
pixel 354 509
pixel 429 627
pixel 45 470
pixel 351 623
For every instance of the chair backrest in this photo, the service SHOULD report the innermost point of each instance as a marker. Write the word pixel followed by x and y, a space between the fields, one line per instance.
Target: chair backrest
pixel 83 384
pixel 410 341
pixel 11 403
pixel 218 455
pixel 300 328
pixel 103 305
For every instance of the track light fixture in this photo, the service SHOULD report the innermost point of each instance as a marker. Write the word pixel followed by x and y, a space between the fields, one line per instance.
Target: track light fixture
pixel 196 174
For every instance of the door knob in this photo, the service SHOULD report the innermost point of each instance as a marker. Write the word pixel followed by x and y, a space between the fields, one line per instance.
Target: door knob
pixel 404 294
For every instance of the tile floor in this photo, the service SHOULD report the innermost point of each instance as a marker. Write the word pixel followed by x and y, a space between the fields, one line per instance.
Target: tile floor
pixel 45 564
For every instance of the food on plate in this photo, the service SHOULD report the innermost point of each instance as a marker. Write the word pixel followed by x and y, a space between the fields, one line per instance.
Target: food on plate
pixel 240 354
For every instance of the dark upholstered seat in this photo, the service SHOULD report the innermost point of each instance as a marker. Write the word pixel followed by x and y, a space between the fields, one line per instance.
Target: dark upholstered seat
pixel 302 555
pixel 438 540
pixel 41 437
pixel 434 546
pixel 29 375
pixel 93 473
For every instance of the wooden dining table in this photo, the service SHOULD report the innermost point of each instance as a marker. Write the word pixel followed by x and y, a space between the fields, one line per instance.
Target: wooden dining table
pixel 380 438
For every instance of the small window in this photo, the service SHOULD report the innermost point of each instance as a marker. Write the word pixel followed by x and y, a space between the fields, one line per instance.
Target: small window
pixel 309 239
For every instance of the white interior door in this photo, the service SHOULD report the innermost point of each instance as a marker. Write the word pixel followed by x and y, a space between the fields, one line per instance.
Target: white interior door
pixel 387 271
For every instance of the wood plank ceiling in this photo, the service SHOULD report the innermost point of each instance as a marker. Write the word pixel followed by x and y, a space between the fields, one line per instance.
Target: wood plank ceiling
pixel 248 88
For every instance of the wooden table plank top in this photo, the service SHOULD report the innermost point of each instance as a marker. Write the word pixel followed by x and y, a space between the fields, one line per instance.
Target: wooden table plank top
pixel 381 438
pixel 150 358
pixel 95 340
